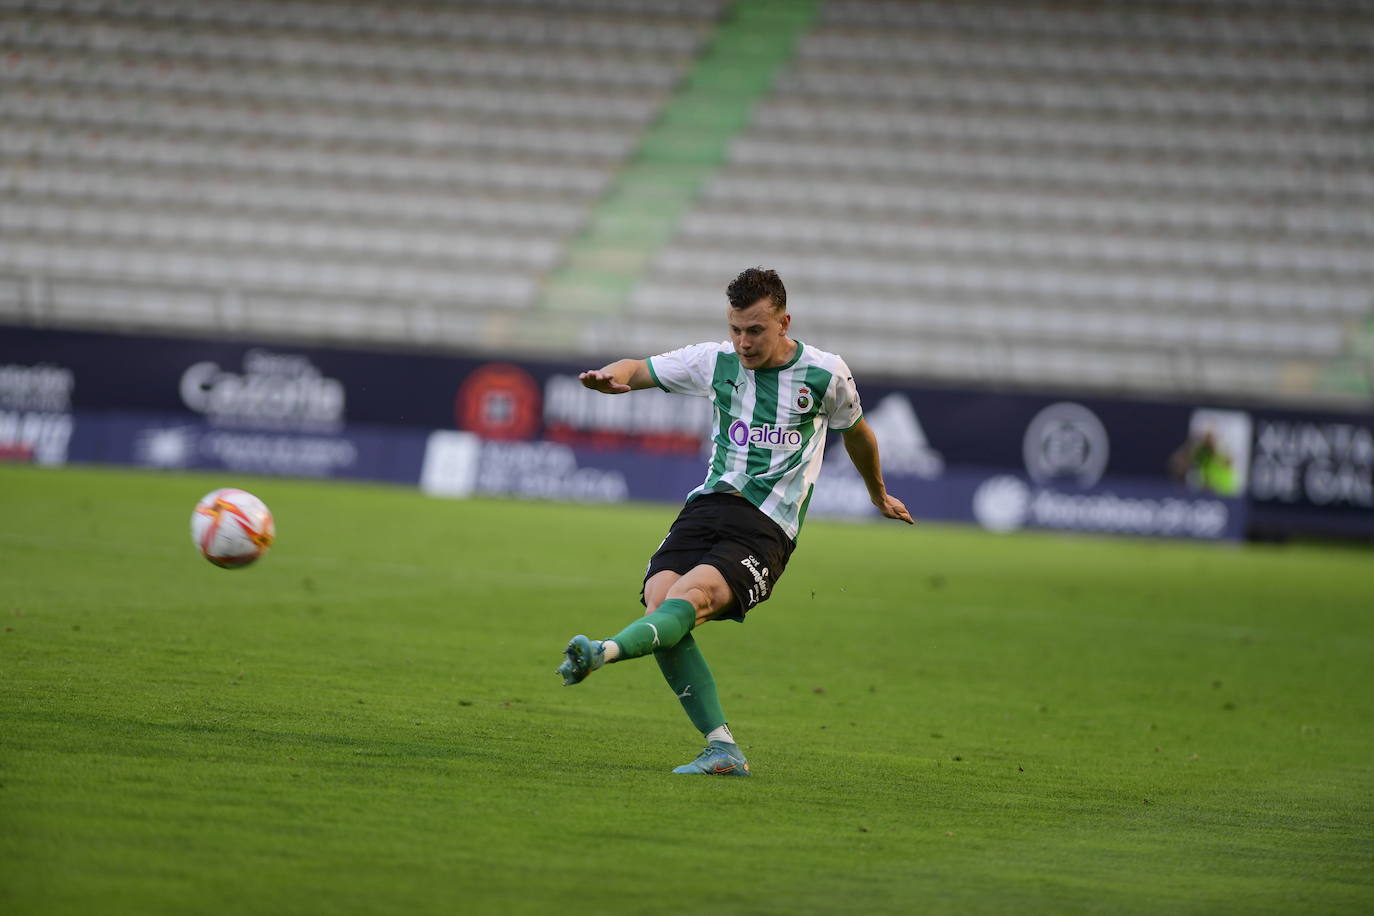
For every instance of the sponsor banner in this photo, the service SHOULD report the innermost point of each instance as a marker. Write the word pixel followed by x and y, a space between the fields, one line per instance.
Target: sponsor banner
pixel 35 412
pixel 1006 502
pixel 442 462
pixel 320 389
pixel 171 442
pixel 40 437
pixel 1066 476
pixel 532 430
pixel 1312 472
pixel 462 464
pixel 267 390
pixel 1060 441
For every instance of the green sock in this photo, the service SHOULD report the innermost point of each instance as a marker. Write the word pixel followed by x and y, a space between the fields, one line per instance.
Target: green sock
pixel 662 629
pixel 686 671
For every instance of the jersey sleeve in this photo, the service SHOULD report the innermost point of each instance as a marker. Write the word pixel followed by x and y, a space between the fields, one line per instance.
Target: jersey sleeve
pixel 843 407
pixel 687 370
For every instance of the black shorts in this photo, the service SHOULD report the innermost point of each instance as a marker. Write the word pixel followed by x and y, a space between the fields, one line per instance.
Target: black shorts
pixel 731 534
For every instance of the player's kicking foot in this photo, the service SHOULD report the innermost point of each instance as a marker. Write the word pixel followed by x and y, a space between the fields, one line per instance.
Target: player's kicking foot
pixel 719 758
pixel 581 658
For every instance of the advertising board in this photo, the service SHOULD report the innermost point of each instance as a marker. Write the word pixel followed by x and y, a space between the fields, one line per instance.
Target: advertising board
pixel 461 425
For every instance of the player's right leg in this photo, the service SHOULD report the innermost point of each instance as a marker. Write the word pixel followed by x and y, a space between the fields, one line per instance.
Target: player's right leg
pixel 662 628
pixel 688 538
pixel 696 597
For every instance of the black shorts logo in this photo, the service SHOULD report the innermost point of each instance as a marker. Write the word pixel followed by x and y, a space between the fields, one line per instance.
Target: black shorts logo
pixel 759 590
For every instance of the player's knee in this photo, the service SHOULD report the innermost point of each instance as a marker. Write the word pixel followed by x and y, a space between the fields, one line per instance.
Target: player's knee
pixel 654 599
pixel 657 589
pixel 699 597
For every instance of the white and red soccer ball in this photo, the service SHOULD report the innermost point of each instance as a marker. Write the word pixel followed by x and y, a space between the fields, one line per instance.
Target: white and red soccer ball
pixel 232 528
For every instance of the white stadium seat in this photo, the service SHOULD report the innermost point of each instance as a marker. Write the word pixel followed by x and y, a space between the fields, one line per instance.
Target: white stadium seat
pixel 1175 195
pixel 1159 196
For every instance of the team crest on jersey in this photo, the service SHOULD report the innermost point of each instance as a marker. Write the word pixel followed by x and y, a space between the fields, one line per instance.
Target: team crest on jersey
pixel 803 398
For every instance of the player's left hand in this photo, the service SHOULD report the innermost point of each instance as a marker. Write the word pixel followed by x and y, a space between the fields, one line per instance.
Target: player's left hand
pixel 892 507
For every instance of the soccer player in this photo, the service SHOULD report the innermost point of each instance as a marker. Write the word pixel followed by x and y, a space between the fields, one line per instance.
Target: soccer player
pixel 774 397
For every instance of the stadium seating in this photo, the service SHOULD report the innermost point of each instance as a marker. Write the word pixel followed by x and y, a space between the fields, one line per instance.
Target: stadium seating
pixel 348 171
pixel 1158 196
pixel 1164 195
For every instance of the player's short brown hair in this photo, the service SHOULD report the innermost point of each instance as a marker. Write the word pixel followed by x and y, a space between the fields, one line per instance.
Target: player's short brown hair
pixel 754 284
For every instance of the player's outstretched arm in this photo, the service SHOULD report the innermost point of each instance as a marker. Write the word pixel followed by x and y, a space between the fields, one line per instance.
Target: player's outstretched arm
pixel 620 377
pixel 862 447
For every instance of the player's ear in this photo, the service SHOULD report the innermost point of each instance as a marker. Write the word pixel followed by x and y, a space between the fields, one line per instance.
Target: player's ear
pixel 785 321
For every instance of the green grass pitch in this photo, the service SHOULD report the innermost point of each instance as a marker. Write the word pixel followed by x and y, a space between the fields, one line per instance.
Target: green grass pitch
pixel 939 720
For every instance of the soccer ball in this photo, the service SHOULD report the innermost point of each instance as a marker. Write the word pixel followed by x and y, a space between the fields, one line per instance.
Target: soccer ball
pixel 232 528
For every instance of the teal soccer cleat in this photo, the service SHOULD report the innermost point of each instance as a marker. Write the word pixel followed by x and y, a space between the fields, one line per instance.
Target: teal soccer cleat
pixel 717 759
pixel 581 658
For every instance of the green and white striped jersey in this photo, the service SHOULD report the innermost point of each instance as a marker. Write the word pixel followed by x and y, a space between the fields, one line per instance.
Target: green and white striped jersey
pixel 769 434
